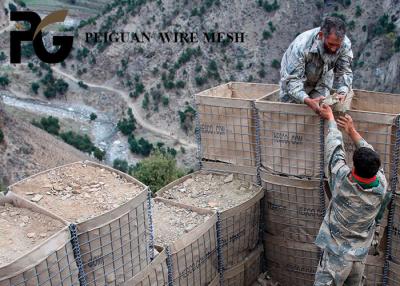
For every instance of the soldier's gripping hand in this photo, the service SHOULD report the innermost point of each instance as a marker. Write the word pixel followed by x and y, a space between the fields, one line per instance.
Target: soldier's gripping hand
pixel 313 103
pixel 346 123
pixel 326 112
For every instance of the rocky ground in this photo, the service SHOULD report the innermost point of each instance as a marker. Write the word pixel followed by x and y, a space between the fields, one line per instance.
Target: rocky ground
pixel 78 192
pixel 171 222
pixel 21 230
pixel 211 191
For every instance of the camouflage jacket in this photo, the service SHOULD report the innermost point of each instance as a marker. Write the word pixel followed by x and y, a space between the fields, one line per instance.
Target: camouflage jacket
pixel 308 71
pixel 349 224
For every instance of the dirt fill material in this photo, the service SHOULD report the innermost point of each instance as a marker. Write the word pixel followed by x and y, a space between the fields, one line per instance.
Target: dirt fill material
pixel 172 222
pixel 21 230
pixel 78 191
pixel 212 191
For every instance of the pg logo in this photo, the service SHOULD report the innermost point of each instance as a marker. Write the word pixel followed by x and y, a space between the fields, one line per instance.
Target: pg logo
pixel 34 35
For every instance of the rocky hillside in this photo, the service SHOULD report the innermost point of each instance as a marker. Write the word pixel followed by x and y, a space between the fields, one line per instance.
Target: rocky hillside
pixel 155 72
pixel 27 150
pixel 158 80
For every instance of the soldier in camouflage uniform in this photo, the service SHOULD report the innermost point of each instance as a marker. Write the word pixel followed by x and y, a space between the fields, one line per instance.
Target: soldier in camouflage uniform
pixel 313 60
pixel 359 198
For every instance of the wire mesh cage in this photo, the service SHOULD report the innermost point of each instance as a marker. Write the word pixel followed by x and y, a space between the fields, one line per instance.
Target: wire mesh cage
pixel 243 274
pixel 115 246
pixel 373 271
pixel 394 274
pixel 292 207
pixel 51 262
pixel 395 232
pixel 291 263
pixel 289 138
pixel 227 122
pixel 240 230
pixel 194 259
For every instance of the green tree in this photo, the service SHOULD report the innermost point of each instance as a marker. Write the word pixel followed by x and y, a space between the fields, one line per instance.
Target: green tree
pixel 98 153
pixel 35 86
pixel 157 170
pixel 81 142
pixel 165 100
pixel 275 64
pixel 358 11
pixel 2 56
pixel 127 125
pixel 50 124
pixel 121 165
pixel 93 116
pixel 1 136
pixel 4 81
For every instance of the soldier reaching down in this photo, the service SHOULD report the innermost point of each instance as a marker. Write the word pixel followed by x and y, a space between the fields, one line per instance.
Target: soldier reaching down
pixel 359 198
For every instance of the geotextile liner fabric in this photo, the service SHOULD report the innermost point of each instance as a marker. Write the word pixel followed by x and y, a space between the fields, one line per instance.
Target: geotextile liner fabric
pixel 194 257
pixel 227 121
pixel 155 274
pixel 292 207
pixel 396 231
pixel 49 263
pixel 394 274
pixel 240 230
pixel 243 274
pixel 373 271
pixel 291 263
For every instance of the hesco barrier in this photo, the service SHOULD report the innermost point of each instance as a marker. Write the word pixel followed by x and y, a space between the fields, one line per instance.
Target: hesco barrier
pixel 395 231
pixel 52 262
pixel 292 207
pixel 394 274
pixel 114 246
pixel 240 230
pixel 373 271
pixel 291 263
pixel 118 244
pixel 289 138
pixel 194 258
pixel 239 225
pixel 243 274
pixel 155 274
pixel 226 122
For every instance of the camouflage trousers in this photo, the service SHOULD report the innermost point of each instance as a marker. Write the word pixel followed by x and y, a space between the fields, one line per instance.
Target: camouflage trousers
pixel 335 271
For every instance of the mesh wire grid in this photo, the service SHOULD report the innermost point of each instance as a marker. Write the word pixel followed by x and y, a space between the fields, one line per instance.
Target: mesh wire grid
pixel 228 134
pixel 289 142
pixel 197 262
pixel 116 251
pixel 240 232
pixel 59 268
pixel 292 208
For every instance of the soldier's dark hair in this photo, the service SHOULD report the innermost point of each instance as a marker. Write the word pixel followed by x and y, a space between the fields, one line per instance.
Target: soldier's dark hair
pixel 333 24
pixel 366 162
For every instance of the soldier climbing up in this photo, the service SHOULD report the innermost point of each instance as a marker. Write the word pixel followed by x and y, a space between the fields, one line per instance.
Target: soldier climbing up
pixel 359 198
pixel 311 63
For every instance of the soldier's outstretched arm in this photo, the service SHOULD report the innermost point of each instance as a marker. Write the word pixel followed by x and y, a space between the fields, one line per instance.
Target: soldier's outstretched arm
pixel 346 122
pixel 335 159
